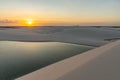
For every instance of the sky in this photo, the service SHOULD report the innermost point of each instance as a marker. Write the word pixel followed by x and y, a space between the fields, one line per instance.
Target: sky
pixel 60 12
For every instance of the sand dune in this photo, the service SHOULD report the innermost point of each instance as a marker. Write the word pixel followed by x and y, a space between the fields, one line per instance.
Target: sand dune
pixel 98 64
pixel 79 35
pixel 89 61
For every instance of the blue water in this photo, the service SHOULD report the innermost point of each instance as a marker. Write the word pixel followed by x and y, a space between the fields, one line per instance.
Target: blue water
pixel 20 58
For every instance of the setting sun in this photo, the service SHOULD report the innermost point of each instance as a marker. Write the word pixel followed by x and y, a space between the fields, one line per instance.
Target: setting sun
pixel 29 22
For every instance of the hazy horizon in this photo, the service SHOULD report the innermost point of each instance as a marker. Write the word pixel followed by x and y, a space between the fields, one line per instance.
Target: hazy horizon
pixel 59 12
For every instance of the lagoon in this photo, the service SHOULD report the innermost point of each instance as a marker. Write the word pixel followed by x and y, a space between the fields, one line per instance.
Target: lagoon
pixel 20 58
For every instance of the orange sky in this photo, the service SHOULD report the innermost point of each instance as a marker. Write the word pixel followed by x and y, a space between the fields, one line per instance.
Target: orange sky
pixel 62 12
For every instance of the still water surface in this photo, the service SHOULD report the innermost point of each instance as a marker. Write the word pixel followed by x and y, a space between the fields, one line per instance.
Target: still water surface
pixel 20 58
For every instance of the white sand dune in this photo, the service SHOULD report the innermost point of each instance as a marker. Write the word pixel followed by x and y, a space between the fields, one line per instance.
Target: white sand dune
pixel 79 35
pixel 98 64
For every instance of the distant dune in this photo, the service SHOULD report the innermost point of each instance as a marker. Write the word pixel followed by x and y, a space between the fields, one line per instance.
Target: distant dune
pixel 94 36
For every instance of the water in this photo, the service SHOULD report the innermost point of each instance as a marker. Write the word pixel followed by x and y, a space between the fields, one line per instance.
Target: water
pixel 20 58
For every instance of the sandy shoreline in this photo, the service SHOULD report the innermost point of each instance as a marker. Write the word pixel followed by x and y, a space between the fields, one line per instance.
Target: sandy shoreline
pixel 102 62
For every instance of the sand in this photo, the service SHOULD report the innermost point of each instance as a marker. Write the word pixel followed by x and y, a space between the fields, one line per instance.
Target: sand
pixel 98 64
pixel 78 35
pixel 101 63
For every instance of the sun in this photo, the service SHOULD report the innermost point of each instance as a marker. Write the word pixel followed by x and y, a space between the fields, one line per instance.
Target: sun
pixel 29 22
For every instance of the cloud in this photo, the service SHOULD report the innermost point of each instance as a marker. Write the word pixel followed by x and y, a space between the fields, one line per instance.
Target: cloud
pixel 7 21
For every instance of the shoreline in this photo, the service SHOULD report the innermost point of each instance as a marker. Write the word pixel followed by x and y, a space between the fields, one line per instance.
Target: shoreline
pixel 90 36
